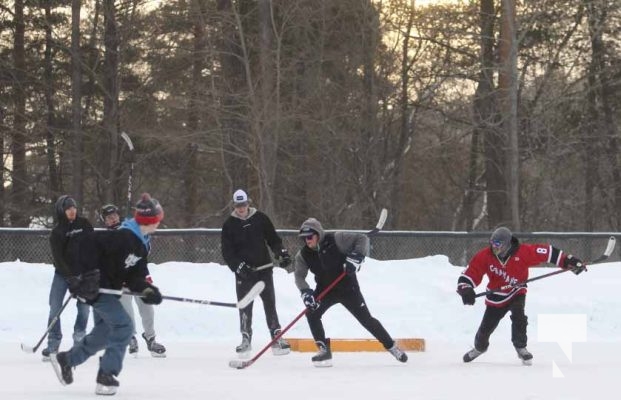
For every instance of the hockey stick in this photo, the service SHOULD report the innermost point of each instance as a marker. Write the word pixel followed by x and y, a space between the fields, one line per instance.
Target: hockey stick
pixel 242 303
pixel 29 349
pixel 241 364
pixel 380 223
pixel 130 145
pixel 265 266
pixel 609 249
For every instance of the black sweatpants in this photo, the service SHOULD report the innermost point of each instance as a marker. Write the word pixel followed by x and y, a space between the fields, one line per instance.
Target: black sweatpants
pixel 353 301
pixel 492 317
pixel 268 297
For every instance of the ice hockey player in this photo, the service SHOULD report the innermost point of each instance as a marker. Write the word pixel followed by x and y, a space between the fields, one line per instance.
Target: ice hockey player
pixel 506 262
pixel 327 255
pixel 111 218
pixel 65 244
pixel 246 235
pixel 111 258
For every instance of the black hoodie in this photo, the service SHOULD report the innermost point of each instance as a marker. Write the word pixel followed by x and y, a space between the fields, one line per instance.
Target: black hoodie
pixel 65 240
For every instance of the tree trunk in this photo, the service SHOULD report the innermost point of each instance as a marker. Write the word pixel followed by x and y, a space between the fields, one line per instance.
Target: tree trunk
pixel 76 108
pixel 495 144
pixel 19 179
pixel 235 146
pixel 50 88
pixel 405 126
pixel 3 132
pixel 486 119
pixel 367 188
pixel 111 97
pixel 191 175
pixel 265 111
pixel 605 129
pixel 507 87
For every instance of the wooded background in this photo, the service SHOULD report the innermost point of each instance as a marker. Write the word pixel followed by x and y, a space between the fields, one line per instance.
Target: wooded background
pixel 454 116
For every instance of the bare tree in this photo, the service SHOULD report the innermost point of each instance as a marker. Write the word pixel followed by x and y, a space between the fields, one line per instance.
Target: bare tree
pixel 111 100
pixel 76 106
pixel 603 124
pixel 19 178
pixel 191 177
pixel 265 109
pixel 50 88
pixel 507 90
pixel 234 126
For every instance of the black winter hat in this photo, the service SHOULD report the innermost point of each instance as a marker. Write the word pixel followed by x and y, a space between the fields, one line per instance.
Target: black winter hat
pixel 108 209
pixel 65 202
pixel 148 210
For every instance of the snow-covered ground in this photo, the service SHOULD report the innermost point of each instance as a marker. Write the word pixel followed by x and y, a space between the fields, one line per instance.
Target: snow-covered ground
pixel 412 298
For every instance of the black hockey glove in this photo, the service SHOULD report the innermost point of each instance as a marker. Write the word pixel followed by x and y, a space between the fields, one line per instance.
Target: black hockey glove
pixel 352 263
pixel 244 271
pixel 467 294
pixel 151 295
pixel 574 264
pixel 86 286
pixel 309 299
pixel 89 289
pixel 284 260
pixel 74 284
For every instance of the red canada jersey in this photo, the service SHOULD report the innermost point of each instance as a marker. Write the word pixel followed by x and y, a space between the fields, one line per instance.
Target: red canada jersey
pixel 511 272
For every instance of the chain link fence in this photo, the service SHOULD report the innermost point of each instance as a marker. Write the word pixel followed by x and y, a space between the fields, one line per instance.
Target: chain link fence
pixel 203 245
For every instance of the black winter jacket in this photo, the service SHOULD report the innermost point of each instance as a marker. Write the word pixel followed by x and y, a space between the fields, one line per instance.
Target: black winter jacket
pixel 65 241
pixel 327 264
pixel 248 240
pixel 121 257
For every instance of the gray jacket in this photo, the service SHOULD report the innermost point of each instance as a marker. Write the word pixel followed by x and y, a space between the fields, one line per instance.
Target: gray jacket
pixel 346 242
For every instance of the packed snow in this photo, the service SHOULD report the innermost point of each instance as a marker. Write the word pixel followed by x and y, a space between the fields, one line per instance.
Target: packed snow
pixel 412 298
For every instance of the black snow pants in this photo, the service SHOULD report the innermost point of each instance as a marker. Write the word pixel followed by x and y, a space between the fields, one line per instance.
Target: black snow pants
pixel 492 317
pixel 353 301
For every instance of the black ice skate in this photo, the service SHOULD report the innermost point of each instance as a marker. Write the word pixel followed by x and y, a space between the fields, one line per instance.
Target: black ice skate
pixel 323 358
pixel 524 355
pixel 157 350
pixel 472 354
pixel 281 346
pixel 133 346
pixel 107 385
pixel 243 350
pixel 60 363
pixel 398 353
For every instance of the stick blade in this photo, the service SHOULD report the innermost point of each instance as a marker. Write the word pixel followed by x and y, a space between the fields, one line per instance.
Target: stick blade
pixel 127 140
pixel 251 295
pixel 380 222
pixel 382 219
pixel 611 246
pixel 27 349
pixel 240 364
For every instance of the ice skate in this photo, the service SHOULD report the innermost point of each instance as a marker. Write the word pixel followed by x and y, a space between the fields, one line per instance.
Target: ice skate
pixel 472 354
pixel 524 355
pixel 323 358
pixel 398 353
pixel 107 385
pixel 133 346
pixel 60 363
pixel 243 350
pixel 157 350
pixel 280 347
pixel 45 355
